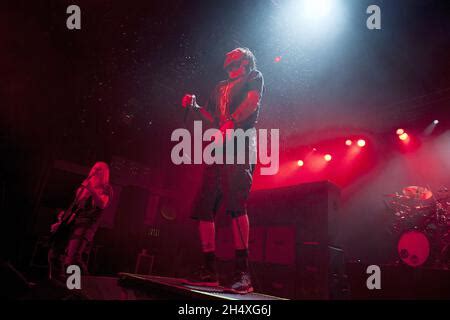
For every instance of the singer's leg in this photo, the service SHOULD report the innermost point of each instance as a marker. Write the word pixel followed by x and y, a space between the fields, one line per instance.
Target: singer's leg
pixel 238 184
pixel 205 208
pixel 208 242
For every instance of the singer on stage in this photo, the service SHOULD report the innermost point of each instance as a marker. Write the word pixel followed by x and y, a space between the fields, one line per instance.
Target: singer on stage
pixel 71 236
pixel 234 103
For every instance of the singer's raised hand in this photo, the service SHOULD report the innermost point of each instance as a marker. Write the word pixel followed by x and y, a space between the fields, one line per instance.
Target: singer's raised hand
pixel 188 101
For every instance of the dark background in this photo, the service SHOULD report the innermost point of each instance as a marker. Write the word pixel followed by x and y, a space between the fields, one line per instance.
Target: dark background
pixel 113 89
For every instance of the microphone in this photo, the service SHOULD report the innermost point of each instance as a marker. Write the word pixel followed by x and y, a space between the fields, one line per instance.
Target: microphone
pixel 186 112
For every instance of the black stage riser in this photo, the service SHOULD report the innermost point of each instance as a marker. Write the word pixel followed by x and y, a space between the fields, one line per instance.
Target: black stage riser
pixel 294 246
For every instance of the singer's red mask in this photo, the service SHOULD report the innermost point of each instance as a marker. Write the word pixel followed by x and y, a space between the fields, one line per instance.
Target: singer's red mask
pixel 235 64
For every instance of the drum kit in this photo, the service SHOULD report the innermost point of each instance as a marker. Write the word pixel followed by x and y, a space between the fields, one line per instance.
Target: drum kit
pixel 421 223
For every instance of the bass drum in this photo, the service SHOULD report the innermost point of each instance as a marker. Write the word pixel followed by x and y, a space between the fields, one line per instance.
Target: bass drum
pixel 413 248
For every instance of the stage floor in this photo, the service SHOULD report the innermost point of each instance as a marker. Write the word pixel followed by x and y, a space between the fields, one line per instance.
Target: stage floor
pixel 175 287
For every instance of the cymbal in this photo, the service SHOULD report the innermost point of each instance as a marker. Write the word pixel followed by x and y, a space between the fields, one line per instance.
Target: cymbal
pixel 417 192
pixel 395 195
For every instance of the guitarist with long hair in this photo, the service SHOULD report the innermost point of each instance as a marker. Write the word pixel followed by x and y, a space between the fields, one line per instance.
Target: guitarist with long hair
pixel 77 225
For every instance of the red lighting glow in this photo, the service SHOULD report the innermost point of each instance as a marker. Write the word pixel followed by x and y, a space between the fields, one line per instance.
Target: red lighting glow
pixel 300 163
pixel 328 157
pixel 348 142
pixel 277 59
pixel 404 136
pixel 361 143
pixel 400 132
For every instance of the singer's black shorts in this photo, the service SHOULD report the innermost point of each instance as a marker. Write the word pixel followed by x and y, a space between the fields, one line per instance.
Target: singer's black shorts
pixel 224 186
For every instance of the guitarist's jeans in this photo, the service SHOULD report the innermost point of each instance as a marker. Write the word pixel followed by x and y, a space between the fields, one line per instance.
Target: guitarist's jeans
pixel 70 250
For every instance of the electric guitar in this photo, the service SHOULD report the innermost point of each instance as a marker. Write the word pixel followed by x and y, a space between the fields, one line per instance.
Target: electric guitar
pixel 65 221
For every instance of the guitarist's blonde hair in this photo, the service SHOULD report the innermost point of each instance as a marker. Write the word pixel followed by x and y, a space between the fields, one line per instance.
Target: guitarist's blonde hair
pixel 105 168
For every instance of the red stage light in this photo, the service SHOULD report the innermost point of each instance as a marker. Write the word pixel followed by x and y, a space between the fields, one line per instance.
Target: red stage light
pixel 277 59
pixel 404 136
pixel 400 132
pixel 300 163
pixel 327 157
pixel 361 143
pixel 348 142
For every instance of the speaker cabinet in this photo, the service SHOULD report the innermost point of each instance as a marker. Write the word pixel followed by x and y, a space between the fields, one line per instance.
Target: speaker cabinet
pixel 280 246
pixel 294 236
